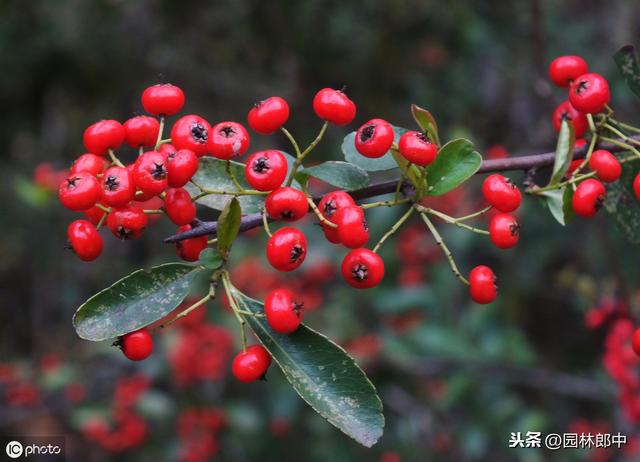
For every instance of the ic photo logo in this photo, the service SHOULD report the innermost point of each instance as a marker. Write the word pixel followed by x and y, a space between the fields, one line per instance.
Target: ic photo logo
pixel 14 449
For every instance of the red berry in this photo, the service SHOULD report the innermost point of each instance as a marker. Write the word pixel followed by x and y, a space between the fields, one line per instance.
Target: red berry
pixel 103 135
pixel 141 131
pixel 266 170
pixel 286 249
pixel 286 204
pixel 374 138
pixel 228 140
pixel 89 163
pixel 417 148
pixel 334 106
pixel 635 342
pixel 167 149
pixel 118 188
pixel 80 191
pixel 564 69
pixel 127 222
pixel 329 205
pixel 268 115
pixel 590 93
pixel 636 186
pixel 85 240
pixel 501 193
pixel 606 165
pixel 179 207
pixel 283 311
pixel 137 345
pixel 565 111
pixel 94 214
pixel 191 132
pixel 504 230
pixel 362 269
pixel 181 166
pixel 353 230
pixel 162 99
pixel 189 249
pixel 251 364
pixel 588 198
pixel 150 173
pixel 482 285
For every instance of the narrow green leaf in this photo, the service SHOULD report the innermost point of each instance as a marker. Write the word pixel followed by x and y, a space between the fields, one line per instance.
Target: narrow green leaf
pixel 564 153
pixel 134 301
pixel 426 122
pixel 340 174
pixel 627 61
pixel 323 374
pixel 555 203
pixel 456 162
pixel 622 204
pixel 567 207
pixel 228 226
pixel 210 258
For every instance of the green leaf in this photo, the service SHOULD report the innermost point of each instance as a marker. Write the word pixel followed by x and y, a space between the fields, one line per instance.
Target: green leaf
pixel 323 375
pixel 426 122
pixel 228 226
pixel 564 153
pixel 212 175
pixel 411 171
pixel 351 155
pixel 622 204
pixel 456 162
pixel 210 258
pixel 340 174
pixel 627 61
pixel 134 301
pixel 558 201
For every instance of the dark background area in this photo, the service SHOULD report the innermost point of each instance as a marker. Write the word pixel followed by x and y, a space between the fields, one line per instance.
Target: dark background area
pixel 480 68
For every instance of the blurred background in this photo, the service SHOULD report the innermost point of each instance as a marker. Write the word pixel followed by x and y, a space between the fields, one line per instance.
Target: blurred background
pixel 455 378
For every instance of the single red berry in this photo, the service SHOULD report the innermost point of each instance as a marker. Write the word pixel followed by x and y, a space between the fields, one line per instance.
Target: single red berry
pixel 636 186
pixel 501 193
pixel 150 173
pixel 163 99
pixel 103 135
pixel 80 191
pixel 286 249
pixel 482 285
pixel 374 138
pixel 127 222
pixel 189 249
pixel 228 140
pixel 167 149
pixel 286 204
pixel 266 170
pixel 635 341
pixel 85 240
pixel 89 163
pixel 179 207
pixel 504 230
pixel 141 131
pixel 137 345
pixel 191 132
pixel 565 69
pixel 588 198
pixel 283 312
pixel 590 93
pixel 606 165
pixel 181 166
pixel 334 106
pixel 353 230
pixel 565 111
pixel 417 148
pixel 362 269
pixel 118 188
pixel 94 214
pixel 268 115
pixel 251 364
pixel 329 205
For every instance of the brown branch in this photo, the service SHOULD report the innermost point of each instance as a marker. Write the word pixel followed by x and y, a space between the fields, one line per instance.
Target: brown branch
pixel 524 163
